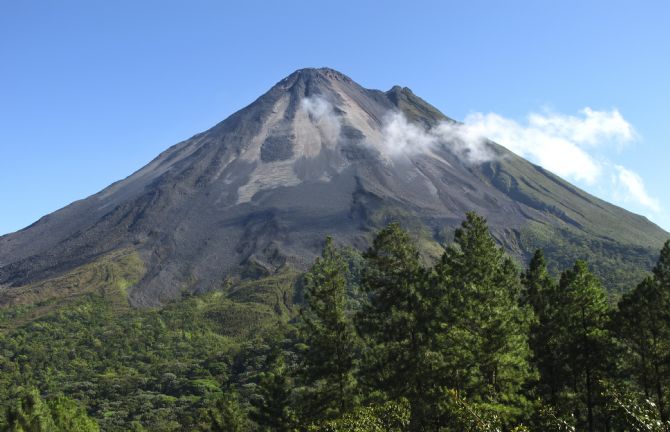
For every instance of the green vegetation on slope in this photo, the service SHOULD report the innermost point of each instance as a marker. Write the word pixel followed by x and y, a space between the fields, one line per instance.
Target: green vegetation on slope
pixel 109 277
pixel 384 341
pixel 163 369
pixel 619 266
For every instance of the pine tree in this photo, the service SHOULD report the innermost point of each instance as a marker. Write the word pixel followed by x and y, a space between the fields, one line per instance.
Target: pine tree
pixel 583 344
pixel 398 324
pixel 538 292
pixel 643 326
pixel 485 341
pixel 537 284
pixel 662 315
pixel 662 268
pixel 274 402
pixel 222 415
pixel 328 359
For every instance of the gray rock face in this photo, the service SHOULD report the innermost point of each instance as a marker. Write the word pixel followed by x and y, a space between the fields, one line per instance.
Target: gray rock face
pixel 313 156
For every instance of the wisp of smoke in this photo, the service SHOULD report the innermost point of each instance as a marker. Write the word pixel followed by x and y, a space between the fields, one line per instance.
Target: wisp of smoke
pixel 323 116
pixel 557 142
pixel 400 137
pixel 561 143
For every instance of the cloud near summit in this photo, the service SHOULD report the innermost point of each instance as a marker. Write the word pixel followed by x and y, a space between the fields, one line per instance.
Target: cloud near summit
pixel 403 137
pixel 323 115
pixel 569 145
pixel 561 143
pixel 572 146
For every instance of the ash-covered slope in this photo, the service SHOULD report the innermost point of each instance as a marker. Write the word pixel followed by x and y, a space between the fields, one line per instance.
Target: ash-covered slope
pixel 316 155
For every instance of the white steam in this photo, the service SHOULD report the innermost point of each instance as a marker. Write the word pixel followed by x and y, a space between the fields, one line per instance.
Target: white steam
pixel 323 116
pixel 400 137
pixel 561 143
pixel 568 145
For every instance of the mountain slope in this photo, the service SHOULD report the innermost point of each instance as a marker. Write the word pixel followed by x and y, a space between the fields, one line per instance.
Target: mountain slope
pixel 317 155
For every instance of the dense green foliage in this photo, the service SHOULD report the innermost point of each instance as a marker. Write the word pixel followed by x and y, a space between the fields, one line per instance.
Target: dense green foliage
pixel 164 370
pixel 619 264
pixel 328 357
pixel 29 413
pixel 643 325
pixel 486 336
pixel 398 323
pixel 381 341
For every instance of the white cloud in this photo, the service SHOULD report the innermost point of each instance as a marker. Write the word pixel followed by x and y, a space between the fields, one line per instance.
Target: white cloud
pixel 632 186
pixel 593 128
pixel 558 142
pixel 550 149
pixel 561 143
pixel 403 137
pixel 465 141
pixel 399 136
pixel 323 115
pixel 568 145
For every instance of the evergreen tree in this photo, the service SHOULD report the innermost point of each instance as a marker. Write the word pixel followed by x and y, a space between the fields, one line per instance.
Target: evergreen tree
pixel 328 359
pixel 537 284
pixel 582 343
pixel 662 269
pixel 538 293
pixel 399 324
pixel 661 313
pixel 223 415
pixel 485 341
pixel 643 326
pixel 274 402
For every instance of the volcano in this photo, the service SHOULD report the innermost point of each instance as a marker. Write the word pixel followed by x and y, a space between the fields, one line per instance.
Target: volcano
pixel 316 155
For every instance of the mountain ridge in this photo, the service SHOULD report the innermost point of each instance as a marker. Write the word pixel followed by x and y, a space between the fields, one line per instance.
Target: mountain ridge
pixel 311 157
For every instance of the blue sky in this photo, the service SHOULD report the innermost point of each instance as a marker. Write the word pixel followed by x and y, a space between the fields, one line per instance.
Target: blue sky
pixel 92 90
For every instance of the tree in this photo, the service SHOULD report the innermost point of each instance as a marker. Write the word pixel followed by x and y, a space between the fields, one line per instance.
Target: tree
pixel 69 416
pixel 485 340
pixel 579 325
pixel 328 358
pixel 224 414
pixel 537 284
pixel 31 413
pixel 538 293
pixel 662 269
pixel 631 412
pixel 273 405
pixel 399 325
pixel 643 326
pixel 392 416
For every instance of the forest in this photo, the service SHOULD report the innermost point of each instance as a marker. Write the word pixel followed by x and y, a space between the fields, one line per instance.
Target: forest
pixel 364 341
